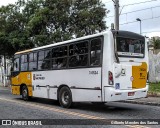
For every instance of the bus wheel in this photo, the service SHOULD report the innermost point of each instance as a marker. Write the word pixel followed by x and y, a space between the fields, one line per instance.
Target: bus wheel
pixel 25 95
pixel 65 97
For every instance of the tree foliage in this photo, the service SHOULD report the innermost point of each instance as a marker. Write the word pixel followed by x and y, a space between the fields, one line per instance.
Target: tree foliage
pixel 30 23
pixel 155 42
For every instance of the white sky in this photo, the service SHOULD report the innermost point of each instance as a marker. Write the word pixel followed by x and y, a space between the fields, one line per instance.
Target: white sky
pixel 150 24
pixel 149 18
pixel 6 2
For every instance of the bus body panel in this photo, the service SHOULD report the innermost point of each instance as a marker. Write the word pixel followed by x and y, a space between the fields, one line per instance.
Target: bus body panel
pixel 90 83
pixel 24 78
pixel 46 83
pixel 129 75
pixel 83 95
pixel 117 95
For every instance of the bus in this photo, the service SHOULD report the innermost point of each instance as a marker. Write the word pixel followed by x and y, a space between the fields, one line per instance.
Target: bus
pixel 99 68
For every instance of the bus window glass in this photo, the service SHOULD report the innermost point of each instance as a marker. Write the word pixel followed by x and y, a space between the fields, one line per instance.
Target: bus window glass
pixel 44 60
pixel 24 62
pixel 31 57
pixel 130 47
pixel 33 61
pixel 44 65
pixel 16 64
pixel 41 55
pixel 47 54
pixel 95 53
pixel 35 56
pixel 59 57
pixel 78 53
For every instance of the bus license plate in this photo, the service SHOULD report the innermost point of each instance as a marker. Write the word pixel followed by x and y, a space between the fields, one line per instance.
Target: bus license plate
pixel 130 93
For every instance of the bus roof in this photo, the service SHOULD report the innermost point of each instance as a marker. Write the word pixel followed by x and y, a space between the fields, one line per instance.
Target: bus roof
pixel 122 33
pixel 63 42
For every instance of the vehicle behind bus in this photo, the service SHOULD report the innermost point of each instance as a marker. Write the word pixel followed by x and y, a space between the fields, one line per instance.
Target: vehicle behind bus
pixel 109 66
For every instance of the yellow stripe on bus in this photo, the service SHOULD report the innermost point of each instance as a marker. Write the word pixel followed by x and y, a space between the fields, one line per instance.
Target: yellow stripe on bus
pixel 22 78
pixel 29 50
pixel 139 74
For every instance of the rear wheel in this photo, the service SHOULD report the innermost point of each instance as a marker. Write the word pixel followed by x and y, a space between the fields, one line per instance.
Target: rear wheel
pixel 25 95
pixel 65 97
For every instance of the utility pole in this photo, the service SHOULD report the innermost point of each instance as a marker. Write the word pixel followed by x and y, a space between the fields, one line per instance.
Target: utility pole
pixel 116 8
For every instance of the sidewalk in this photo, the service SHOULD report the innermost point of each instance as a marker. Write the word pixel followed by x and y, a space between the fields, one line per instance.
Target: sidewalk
pixel 155 101
pixel 150 100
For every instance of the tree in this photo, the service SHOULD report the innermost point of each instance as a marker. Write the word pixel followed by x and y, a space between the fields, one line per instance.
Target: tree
pixel 30 23
pixel 61 20
pixel 13 36
pixel 155 42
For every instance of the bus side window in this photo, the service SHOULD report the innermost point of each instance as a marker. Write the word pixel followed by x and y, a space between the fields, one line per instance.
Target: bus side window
pixel 59 57
pixel 79 56
pixel 46 61
pixel 24 62
pixel 33 61
pixel 95 54
pixel 16 65
pixel 40 59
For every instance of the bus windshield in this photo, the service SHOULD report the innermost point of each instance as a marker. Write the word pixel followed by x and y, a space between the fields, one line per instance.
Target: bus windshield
pixel 129 47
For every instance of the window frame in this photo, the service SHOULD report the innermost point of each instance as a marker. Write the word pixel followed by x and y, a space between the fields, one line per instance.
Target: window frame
pixel 101 53
pixel 24 62
pixel 78 42
pixel 34 61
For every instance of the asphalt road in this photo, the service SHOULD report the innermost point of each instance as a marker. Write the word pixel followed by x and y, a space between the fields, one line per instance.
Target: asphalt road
pixel 13 107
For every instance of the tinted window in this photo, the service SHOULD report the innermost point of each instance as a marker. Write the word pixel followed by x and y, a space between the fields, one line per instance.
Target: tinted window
pixel 24 62
pixel 78 54
pixel 95 53
pixel 130 47
pixel 33 61
pixel 41 55
pixel 44 61
pixel 59 57
pixel 16 64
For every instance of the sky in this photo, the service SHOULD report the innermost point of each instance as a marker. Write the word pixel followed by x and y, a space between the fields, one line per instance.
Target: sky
pixel 149 13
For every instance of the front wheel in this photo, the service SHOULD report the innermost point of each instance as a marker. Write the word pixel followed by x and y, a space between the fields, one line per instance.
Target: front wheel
pixel 65 97
pixel 25 95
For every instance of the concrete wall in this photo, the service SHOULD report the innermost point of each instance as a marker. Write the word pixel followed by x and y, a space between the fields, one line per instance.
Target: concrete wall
pixel 154 67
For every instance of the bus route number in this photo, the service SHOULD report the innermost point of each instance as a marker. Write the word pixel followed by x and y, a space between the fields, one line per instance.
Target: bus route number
pixel 93 72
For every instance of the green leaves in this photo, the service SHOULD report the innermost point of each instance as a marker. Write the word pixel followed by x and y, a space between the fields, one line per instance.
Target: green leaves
pixel 31 23
pixel 155 42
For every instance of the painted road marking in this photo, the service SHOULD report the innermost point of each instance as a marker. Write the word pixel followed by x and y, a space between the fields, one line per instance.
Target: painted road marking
pixel 86 116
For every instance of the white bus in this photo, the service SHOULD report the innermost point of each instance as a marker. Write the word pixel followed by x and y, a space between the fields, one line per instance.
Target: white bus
pixel 109 66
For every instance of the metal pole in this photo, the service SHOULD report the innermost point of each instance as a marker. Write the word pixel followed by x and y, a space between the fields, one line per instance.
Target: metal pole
pixel 116 6
pixel 140 27
pixel 140 23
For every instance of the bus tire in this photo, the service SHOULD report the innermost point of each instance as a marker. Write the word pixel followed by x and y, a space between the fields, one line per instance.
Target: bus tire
pixel 25 95
pixel 65 97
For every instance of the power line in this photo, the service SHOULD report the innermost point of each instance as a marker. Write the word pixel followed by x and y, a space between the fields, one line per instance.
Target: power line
pixel 140 3
pixel 142 20
pixel 151 31
pixel 136 11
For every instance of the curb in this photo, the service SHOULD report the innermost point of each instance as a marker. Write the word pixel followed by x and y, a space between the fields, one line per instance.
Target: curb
pixel 153 94
pixel 142 102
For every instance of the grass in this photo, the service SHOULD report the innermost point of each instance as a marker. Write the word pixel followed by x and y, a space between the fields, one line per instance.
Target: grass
pixel 154 87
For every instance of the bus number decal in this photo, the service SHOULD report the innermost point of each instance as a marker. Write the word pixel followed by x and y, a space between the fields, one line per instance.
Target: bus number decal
pixel 93 72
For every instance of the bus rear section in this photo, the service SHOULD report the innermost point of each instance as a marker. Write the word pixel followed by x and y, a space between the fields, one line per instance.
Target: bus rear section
pixel 127 78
